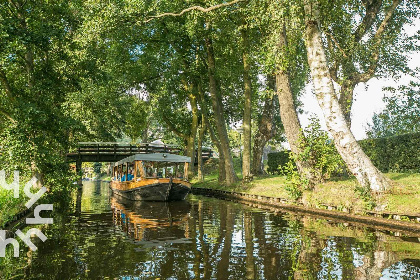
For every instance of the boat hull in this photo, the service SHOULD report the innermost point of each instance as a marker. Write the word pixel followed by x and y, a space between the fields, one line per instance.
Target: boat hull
pixel 152 190
pixel 178 192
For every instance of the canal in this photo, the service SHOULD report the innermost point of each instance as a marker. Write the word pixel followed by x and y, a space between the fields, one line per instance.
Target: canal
pixel 101 237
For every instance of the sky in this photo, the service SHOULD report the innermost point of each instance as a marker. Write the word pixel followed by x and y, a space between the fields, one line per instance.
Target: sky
pixel 368 97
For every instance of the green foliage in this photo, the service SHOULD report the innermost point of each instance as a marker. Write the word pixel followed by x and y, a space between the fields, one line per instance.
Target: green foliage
pixel 10 206
pixel 136 120
pixel 277 160
pixel 401 114
pixel 295 183
pixel 366 196
pixel 394 154
pixel 97 167
pixel 319 151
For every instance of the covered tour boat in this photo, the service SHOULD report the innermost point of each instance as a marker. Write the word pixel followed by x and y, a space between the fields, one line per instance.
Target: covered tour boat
pixel 152 177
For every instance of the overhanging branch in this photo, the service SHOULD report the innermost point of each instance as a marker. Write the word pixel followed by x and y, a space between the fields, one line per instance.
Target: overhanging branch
pixel 364 77
pixel 197 8
pixel 7 115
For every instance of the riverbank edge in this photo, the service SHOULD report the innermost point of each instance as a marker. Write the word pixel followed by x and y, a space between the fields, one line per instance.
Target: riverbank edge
pixel 17 218
pixel 390 223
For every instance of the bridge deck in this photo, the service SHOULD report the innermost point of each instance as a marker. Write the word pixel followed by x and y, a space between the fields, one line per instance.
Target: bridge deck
pixel 112 152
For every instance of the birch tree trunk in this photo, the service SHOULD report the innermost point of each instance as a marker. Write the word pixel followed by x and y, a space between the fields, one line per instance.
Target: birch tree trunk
pixel 354 157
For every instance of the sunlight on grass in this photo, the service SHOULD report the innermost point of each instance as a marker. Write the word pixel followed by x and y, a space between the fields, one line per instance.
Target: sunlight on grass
pixel 402 198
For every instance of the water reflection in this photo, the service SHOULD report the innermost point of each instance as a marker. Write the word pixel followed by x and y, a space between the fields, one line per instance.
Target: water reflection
pixel 204 238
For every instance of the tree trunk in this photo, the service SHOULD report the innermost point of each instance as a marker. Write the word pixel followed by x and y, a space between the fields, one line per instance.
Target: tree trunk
pixel 354 157
pixel 266 130
pixel 194 127
pixel 213 137
pixel 249 247
pixel 289 117
pixel 200 150
pixel 216 99
pixel 221 167
pixel 346 100
pixel 246 159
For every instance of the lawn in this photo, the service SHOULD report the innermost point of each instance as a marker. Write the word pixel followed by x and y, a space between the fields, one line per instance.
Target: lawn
pixel 402 198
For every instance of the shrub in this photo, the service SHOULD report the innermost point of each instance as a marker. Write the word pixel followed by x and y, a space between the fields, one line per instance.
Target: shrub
pixel 319 151
pixel 276 160
pixel 394 154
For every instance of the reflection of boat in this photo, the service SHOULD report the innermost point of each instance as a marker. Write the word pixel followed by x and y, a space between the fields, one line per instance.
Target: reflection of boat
pixel 152 177
pixel 149 221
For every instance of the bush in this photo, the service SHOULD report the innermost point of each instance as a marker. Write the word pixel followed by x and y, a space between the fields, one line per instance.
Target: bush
pixel 317 149
pixel 394 154
pixel 276 160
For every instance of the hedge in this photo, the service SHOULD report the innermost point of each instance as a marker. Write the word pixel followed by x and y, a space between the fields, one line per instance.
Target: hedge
pixel 391 154
pixel 277 159
pixel 394 154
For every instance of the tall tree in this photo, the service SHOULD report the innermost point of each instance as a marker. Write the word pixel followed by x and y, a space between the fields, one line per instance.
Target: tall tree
pixel 246 123
pixel 217 104
pixel 267 127
pixel 354 157
pixel 364 40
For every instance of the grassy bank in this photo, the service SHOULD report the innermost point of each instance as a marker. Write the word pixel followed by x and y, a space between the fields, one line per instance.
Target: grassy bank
pixel 403 198
pixel 10 206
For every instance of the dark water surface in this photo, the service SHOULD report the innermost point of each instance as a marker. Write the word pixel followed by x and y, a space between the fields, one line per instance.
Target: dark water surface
pixel 204 238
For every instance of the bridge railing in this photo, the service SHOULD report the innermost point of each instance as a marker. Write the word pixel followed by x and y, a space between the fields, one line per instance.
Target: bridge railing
pixel 126 149
pixel 91 151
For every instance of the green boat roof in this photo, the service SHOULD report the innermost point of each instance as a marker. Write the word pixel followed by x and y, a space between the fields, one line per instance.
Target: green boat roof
pixel 165 157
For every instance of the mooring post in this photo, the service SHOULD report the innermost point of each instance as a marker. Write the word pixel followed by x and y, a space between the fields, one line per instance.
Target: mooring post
pixel 79 172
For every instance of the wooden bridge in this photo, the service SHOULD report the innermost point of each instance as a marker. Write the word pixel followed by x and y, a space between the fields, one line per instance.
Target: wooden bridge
pixel 113 152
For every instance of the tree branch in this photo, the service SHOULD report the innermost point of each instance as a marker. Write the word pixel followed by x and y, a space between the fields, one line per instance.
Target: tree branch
pixel 174 129
pixel 198 8
pixel 7 115
pixel 372 10
pixel 376 45
pixel 336 43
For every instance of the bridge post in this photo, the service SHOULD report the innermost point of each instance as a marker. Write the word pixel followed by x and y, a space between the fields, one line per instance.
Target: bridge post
pixel 79 172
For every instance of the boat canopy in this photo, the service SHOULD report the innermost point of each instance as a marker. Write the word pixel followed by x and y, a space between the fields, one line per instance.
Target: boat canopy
pixel 166 157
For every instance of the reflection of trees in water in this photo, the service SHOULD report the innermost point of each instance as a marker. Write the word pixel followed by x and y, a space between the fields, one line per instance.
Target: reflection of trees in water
pixel 376 260
pixel 249 246
pixel 309 258
pixel 208 239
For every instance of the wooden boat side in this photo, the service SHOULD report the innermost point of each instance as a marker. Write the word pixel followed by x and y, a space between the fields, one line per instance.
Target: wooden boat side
pixel 131 185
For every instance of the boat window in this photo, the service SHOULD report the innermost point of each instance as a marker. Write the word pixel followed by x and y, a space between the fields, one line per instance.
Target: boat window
pixel 180 171
pixel 130 175
pixel 170 169
pixel 150 169
pixel 160 169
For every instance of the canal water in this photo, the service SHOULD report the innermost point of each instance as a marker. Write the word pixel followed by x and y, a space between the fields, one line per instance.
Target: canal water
pixel 102 237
